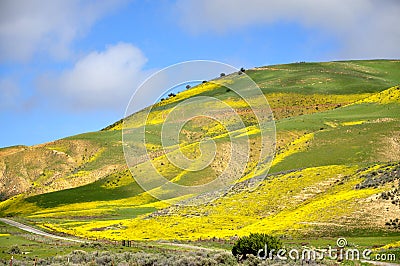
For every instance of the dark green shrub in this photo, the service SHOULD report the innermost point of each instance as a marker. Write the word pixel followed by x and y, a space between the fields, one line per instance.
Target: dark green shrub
pixel 15 250
pixel 253 243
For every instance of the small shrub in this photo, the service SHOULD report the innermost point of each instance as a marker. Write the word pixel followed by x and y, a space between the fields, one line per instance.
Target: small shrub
pixel 105 259
pixel 252 261
pixel 15 250
pixel 253 243
pixel 79 257
pixel 224 259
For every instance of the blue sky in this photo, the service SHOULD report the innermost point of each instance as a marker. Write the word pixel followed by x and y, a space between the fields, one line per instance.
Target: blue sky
pixel 71 66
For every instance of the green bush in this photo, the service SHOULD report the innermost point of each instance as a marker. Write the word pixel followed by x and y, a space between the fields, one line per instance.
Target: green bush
pixel 15 250
pixel 253 243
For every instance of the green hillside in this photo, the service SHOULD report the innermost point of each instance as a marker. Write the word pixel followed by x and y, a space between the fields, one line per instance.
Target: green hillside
pixel 337 159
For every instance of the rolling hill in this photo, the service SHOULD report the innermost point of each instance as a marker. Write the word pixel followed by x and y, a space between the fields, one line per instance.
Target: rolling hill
pixel 336 168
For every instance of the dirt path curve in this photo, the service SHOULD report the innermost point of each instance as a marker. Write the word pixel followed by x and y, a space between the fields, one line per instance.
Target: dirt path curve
pixel 37 231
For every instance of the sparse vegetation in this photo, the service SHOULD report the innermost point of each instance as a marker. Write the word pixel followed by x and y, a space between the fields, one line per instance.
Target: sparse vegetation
pixel 15 250
pixel 374 178
pixel 80 257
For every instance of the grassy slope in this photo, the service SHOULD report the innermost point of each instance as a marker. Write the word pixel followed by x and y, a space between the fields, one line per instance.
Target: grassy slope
pixel 308 193
pixel 291 203
pixel 338 143
pixel 291 90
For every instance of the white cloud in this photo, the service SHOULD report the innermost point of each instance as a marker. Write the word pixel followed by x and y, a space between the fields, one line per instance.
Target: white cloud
pixel 364 28
pixel 47 26
pixel 100 80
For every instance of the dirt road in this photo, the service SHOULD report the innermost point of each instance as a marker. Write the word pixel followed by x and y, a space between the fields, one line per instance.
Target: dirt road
pixel 37 231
